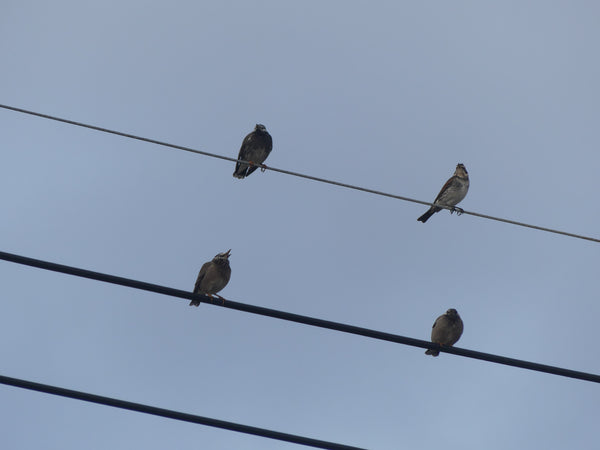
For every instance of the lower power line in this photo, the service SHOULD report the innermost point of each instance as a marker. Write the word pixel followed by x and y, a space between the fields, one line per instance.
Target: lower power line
pixel 170 414
pixel 296 317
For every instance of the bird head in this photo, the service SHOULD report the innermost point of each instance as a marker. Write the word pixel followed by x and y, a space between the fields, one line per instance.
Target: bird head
pixel 452 312
pixel 260 127
pixel 461 170
pixel 222 256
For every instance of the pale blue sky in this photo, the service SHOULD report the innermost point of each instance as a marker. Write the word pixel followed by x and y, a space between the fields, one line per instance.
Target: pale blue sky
pixel 388 95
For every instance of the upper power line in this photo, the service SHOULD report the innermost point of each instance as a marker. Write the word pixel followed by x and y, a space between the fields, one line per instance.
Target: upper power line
pixel 295 174
pixel 297 317
pixel 170 414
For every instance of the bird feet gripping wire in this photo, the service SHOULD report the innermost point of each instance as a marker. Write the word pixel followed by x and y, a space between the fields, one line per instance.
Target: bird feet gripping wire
pixel 262 167
pixel 222 299
pixel 457 210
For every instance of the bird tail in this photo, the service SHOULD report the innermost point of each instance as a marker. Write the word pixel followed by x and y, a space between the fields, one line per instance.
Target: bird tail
pixel 431 351
pixel 251 169
pixel 430 212
pixel 240 171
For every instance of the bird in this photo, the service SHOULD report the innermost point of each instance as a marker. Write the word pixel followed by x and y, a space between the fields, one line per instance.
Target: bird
pixel 255 148
pixel 446 330
pixel 213 276
pixel 452 193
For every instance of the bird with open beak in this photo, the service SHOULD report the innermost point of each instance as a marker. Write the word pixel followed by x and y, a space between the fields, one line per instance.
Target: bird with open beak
pixel 214 276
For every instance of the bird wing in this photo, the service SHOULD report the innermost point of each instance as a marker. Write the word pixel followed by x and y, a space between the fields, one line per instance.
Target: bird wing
pixel 247 145
pixel 460 327
pixel 268 142
pixel 201 276
pixel 444 188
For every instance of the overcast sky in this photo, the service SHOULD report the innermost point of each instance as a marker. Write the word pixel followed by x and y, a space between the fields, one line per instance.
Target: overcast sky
pixel 387 95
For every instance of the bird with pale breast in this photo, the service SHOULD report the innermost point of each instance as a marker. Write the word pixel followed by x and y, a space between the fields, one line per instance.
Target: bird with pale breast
pixel 446 330
pixel 452 193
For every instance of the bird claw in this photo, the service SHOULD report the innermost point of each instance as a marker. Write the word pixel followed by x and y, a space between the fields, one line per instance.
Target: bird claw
pixel 262 167
pixel 222 299
pixel 459 211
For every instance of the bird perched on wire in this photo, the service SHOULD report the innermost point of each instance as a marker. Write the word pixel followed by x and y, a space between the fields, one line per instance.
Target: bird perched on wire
pixel 452 193
pixel 446 330
pixel 256 146
pixel 214 276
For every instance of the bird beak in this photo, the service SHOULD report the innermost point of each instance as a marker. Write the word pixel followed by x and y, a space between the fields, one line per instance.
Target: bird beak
pixel 228 253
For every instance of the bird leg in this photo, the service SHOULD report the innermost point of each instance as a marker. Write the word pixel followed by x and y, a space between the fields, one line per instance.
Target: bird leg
pixel 222 299
pixel 263 167
pixel 458 210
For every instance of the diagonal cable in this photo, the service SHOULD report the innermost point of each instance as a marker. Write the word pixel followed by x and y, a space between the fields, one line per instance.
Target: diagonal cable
pixel 170 414
pixel 295 174
pixel 306 320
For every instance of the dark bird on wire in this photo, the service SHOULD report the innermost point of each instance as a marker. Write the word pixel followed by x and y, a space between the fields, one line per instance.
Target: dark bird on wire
pixel 214 276
pixel 446 330
pixel 255 149
pixel 451 194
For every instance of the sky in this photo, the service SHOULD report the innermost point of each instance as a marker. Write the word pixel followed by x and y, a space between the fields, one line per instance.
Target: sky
pixel 386 95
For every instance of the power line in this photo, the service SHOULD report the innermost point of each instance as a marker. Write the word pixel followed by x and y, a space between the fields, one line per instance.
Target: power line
pixel 306 320
pixel 295 174
pixel 170 414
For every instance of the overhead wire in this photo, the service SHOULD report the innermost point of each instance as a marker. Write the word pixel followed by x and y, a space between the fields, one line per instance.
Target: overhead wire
pixel 295 174
pixel 306 320
pixel 170 414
